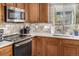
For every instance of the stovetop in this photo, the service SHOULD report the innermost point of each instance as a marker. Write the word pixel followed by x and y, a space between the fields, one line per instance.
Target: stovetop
pixel 18 38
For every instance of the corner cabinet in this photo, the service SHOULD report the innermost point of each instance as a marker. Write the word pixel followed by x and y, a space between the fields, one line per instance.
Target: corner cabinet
pixel 43 46
pixel 48 46
pixel 6 51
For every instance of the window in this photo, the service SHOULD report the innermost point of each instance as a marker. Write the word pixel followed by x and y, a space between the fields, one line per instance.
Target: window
pixel 62 16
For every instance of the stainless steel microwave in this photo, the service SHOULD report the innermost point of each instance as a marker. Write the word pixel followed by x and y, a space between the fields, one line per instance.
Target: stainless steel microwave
pixel 13 14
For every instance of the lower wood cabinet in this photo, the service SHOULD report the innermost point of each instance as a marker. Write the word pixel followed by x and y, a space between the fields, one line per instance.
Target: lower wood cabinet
pixel 69 51
pixel 6 51
pixel 46 46
pixel 52 47
pixel 70 47
pixel 37 46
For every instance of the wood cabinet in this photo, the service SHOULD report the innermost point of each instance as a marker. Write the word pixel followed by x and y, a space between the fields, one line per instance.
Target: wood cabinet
pixel 11 4
pixel 37 46
pixel 43 46
pixel 70 47
pixel 43 13
pixel 20 5
pixel 52 47
pixel 38 13
pixel 26 12
pixel 6 51
pixel 33 12
pixel 69 51
pixel 55 47
pixel 1 13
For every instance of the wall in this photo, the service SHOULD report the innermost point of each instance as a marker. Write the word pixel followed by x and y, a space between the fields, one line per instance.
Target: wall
pixel 12 28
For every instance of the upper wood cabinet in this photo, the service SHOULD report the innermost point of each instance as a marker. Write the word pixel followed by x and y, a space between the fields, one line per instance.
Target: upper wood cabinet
pixel 1 13
pixel 33 12
pixel 11 4
pixel 20 5
pixel 26 12
pixel 43 12
pixel 38 13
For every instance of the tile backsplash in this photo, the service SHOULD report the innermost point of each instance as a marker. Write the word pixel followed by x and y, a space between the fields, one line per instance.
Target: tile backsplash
pixel 12 28
pixel 41 28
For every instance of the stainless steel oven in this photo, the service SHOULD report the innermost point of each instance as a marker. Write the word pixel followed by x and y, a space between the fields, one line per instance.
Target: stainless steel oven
pixel 23 48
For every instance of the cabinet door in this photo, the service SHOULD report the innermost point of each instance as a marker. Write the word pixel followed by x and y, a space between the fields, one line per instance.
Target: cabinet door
pixel 33 12
pixel 38 46
pixel 1 13
pixel 26 12
pixel 43 13
pixel 6 51
pixel 20 5
pixel 34 46
pixel 69 51
pixel 52 47
pixel 70 47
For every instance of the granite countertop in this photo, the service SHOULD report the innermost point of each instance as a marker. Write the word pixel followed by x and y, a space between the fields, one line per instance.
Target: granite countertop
pixel 10 40
pixel 54 36
pixel 5 43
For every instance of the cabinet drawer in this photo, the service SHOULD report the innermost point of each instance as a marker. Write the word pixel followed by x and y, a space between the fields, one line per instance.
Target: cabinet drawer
pixel 70 42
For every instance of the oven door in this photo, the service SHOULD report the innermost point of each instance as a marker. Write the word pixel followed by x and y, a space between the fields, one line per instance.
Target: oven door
pixel 23 48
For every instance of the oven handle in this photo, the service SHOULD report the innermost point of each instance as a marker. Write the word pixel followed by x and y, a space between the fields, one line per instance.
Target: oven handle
pixel 24 42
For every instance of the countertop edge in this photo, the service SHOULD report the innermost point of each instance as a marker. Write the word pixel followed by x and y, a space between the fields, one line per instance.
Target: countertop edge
pixel 6 44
